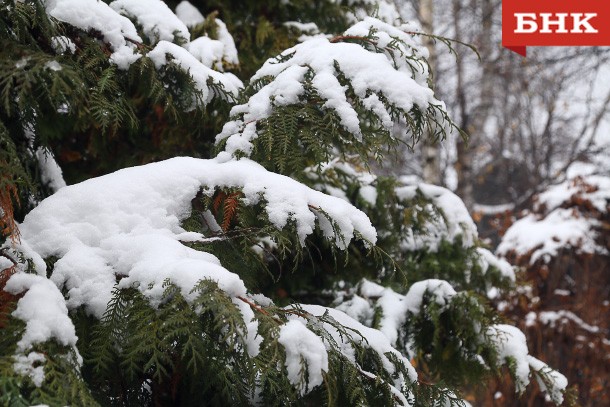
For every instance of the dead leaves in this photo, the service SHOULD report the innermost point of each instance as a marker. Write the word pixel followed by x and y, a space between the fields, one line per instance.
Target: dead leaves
pixel 225 206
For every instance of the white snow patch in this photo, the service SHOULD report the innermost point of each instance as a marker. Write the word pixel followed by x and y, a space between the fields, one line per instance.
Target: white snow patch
pixel 252 339
pixel 359 309
pixel 310 28
pixel 440 290
pixel 208 51
pixel 545 237
pixel 199 72
pixel 188 14
pixel 212 53
pixel 558 381
pixel 455 222
pixel 562 316
pixel 155 18
pixel 127 224
pixel 510 343
pixel 62 45
pixel 553 227
pixel 229 49
pixel 50 171
pixel 97 15
pixel 43 309
pixel 367 72
pixel 594 188
pixel 53 66
pixel 24 365
pixel 365 336
pixel 303 346
pixel 488 259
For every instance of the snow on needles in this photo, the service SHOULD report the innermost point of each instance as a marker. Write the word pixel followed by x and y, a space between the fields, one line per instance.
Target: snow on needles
pixel 97 15
pixel 43 309
pixel 387 35
pixel 301 343
pixel 200 73
pixel 212 53
pixel 512 348
pixel 128 224
pixel 363 335
pixel 188 14
pixel 395 307
pixel 160 26
pixel 455 222
pixel 158 22
pixel 320 63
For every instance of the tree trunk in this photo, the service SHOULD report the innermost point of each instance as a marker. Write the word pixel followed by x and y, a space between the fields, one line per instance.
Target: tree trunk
pixel 475 123
pixel 431 151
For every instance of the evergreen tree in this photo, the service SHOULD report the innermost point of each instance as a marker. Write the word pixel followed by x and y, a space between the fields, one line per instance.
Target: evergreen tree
pixel 273 268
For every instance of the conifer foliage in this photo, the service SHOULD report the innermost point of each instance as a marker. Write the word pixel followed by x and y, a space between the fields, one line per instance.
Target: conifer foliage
pixel 280 271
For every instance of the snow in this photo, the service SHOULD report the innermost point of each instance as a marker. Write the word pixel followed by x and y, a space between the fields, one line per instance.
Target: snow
pixel 212 52
pixel 545 237
pixel 359 309
pixel 208 51
pixel 303 345
pixel 43 309
pixel 50 171
pixel 21 249
pixel 384 10
pixel 456 222
pixel 62 44
pixel 394 314
pixel 155 18
pixel 4 262
pixel 199 72
pixel 594 188
pixel 264 245
pixel 493 209
pixel 510 343
pixel 367 72
pixel 188 14
pixel 562 316
pixel 97 15
pixel 310 28
pixel 459 220
pixel 393 308
pixel 127 224
pixel 229 49
pixel 388 36
pixel 284 90
pixel 24 365
pixel 252 339
pixel 488 259
pixel 368 289
pixel 364 336
pixel 558 381
pixel 440 290
pixel 563 217
pixel 53 66
pixel 21 63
